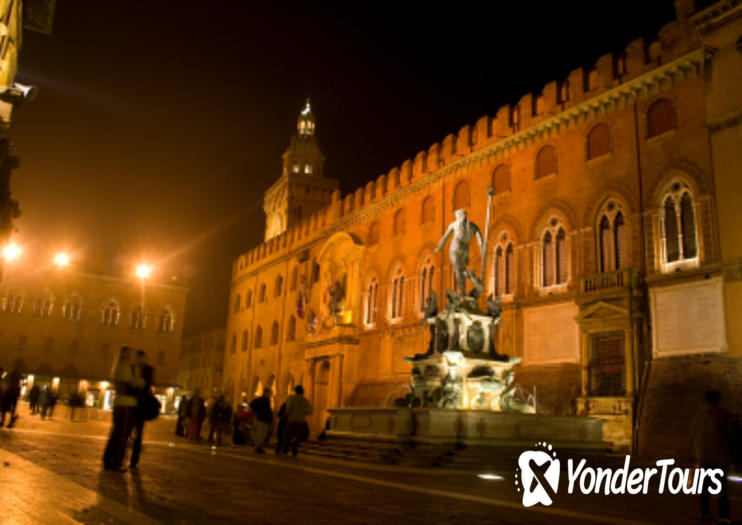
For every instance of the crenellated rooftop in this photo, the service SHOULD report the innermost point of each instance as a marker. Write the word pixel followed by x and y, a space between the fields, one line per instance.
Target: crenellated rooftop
pixel 616 80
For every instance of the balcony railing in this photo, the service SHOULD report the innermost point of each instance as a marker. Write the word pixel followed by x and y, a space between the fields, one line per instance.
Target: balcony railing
pixel 625 278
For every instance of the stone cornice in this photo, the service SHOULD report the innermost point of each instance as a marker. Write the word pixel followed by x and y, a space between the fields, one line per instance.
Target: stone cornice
pixel 727 120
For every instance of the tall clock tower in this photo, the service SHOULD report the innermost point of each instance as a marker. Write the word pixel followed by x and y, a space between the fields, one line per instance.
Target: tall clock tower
pixel 301 190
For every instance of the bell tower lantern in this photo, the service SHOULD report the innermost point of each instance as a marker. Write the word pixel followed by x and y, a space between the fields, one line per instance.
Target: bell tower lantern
pixel 302 189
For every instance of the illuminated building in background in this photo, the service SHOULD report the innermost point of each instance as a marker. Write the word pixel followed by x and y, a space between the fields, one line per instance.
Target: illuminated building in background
pixel 614 244
pixel 62 324
pixel 202 362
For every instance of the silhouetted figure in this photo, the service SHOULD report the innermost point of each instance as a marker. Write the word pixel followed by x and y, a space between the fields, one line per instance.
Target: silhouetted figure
pixel 44 400
pixel 281 429
pixel 75 401
pixel 53 398
pixel 180 425
pixel 144 405
pixel 196 415
pixel 33 399
pixel 126 379
pixel 712 439
pixel 219 420
pixel 240 423
pixel 263 419
pixel 297 430
pixel 11 390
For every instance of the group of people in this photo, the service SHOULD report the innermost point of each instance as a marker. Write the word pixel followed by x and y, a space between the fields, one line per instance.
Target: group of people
pixel 254 421
pixel 42 401
pixel 133 379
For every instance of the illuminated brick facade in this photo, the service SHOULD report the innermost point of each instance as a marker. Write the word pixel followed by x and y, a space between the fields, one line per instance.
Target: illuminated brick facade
pixel 604 226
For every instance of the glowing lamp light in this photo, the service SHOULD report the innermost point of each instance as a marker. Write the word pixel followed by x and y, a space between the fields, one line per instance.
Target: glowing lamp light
pixel 490 477
pixel 144 271
pixel 11 252
pixel 735 479
pixel 62 260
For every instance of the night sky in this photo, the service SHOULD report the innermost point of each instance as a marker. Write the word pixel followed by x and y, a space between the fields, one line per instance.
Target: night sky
pixel 159 124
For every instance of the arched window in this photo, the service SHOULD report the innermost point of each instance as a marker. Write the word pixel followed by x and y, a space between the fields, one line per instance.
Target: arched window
pixel 373 234
pixel 461 196
pixel 237 303
pixel 111 313
pixel 426 281
pixel 372 291
pixel 428 210
pixel 72 308
pixel 43 306
pixel 613 241
pixel 554 255
pixel 679 229
pixel 278 288
pixel 258 337
pixel 274 333
pixel 13 303
pixel 165 321
pixel 291 329
pixel 660 117
pixel 245 339
pixel 598 141
pixel 294 278
pixel 233 344
pixel 397 295
pixel 137 318
pixel 248 299
pixel 504 267
pixel 399 225
pixel 546 162
pixel 501 179
pixel 261 295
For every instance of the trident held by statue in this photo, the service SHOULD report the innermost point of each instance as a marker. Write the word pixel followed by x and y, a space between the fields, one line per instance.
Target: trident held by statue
pixel 490 194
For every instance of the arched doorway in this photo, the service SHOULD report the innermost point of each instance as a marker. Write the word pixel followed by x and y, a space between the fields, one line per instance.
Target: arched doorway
pixel 321 394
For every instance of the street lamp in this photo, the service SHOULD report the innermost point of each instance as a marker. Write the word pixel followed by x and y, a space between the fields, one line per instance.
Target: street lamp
pixel 61 260
pixel 144 271
pixel 11 252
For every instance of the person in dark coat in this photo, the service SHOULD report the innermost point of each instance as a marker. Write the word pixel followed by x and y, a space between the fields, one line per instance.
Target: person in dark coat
pixel 283 420
pixel 263 419
pixel 147 373
pixel 53 398
pixel 180 426
pixel 11 390
pixel 33 399
pixel 126 380
pixel 44 400
pixel 712 440
pixel 196 415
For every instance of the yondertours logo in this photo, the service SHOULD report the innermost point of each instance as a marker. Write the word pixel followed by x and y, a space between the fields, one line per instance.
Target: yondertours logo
pixel 539 477
pixel 538 472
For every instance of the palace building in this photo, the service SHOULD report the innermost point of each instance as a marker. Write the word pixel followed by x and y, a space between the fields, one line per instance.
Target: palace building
pixel 613 243
pixel 62 326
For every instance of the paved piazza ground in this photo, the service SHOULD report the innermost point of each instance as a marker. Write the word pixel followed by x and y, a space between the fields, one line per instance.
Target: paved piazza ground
pixel 50 472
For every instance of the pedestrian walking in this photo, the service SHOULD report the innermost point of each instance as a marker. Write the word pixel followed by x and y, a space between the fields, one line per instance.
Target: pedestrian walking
pixel 281 429
pixel 240 423
pixel 712 440
pixel 126 379
pixel 75 401
pixel 180 425
pixel 222 410
pixel 11 391
pixel 297 430
pixel 263 419
pixel 196 415
pixel 53 398
pixel 33 399
pixel 44 401
pixel 144 408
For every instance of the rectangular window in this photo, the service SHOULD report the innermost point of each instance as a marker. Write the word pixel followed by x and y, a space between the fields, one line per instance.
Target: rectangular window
pixel 607 365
